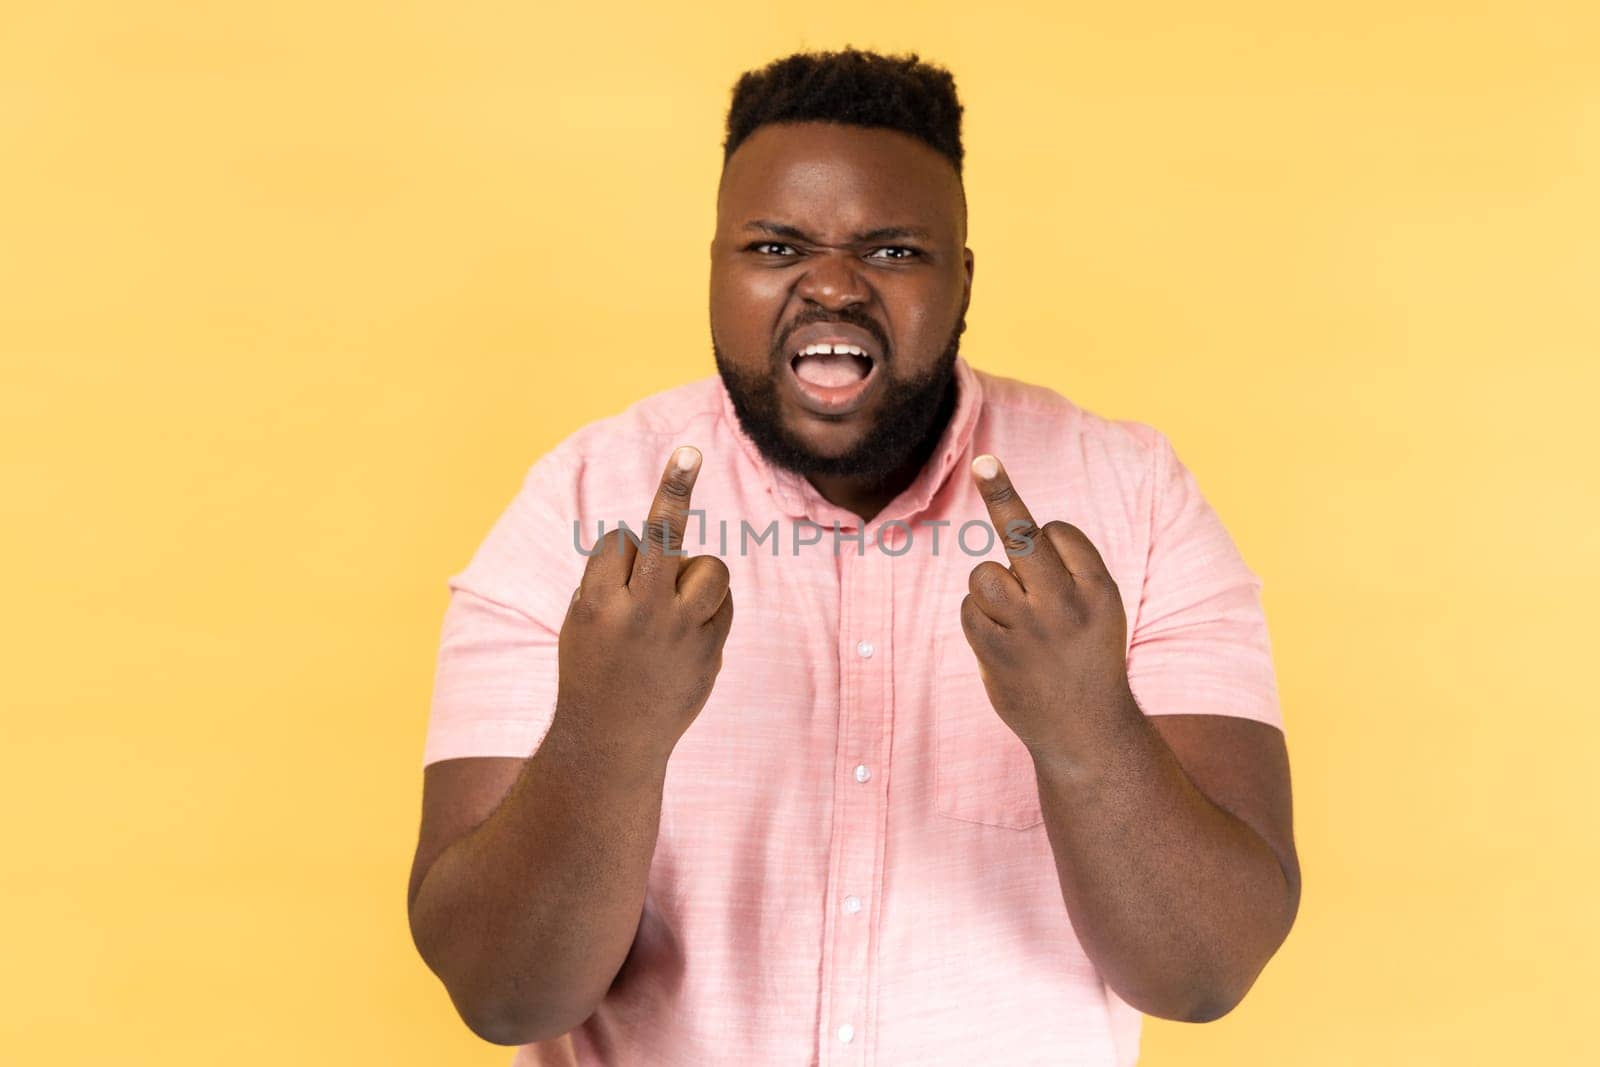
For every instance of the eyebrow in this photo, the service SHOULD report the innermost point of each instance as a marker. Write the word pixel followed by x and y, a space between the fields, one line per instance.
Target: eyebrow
pixel 882 233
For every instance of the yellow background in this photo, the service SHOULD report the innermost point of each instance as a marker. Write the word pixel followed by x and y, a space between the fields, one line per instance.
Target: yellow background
pixel 292 294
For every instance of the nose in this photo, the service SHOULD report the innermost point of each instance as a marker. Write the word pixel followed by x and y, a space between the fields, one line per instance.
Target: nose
pixel 833 280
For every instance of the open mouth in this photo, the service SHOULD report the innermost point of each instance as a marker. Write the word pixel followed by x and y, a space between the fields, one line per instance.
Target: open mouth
pixel 832 378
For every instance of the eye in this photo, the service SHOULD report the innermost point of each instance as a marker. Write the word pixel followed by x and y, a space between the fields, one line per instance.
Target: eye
pixel 759 245
pixel 910 253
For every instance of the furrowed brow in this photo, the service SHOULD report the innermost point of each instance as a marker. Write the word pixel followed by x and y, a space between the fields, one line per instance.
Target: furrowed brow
pixel 882 233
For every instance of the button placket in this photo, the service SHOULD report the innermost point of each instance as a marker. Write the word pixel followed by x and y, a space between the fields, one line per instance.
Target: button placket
pixel 859 808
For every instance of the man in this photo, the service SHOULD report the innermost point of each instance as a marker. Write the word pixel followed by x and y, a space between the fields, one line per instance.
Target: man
pixel 992 761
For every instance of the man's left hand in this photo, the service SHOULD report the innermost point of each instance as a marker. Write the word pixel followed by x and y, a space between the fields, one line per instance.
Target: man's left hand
pixel 1049 631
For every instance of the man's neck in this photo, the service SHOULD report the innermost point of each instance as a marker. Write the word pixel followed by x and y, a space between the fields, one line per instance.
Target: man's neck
pixel 866 500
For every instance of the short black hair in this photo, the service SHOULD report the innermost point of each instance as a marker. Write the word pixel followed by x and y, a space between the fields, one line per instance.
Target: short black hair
pixel 854 87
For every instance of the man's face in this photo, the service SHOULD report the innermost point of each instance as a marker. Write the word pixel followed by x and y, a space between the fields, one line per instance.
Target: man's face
pixel 830 232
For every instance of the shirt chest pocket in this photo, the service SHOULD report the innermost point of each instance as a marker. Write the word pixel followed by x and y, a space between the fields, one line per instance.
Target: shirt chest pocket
pixel 982 772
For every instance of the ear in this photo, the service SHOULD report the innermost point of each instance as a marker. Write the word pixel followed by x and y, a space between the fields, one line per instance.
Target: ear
pixel 966 288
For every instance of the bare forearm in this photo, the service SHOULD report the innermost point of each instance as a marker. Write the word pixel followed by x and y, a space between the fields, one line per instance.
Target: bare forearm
pixel 528 918
pixel 1177 902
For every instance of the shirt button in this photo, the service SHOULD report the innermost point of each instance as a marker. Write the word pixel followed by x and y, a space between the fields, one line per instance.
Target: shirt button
pixel 846 1033
pixel 862 774
pixel 864 649
pixel 852 904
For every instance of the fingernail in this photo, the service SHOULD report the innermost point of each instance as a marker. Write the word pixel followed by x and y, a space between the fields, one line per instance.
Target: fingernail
pixel 986 466
pixel 685 458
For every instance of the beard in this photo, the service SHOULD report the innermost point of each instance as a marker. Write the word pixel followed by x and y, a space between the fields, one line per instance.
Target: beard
pixel 911 416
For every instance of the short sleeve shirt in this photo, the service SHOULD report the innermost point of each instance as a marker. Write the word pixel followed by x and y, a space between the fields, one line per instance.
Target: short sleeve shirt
pixel 852 865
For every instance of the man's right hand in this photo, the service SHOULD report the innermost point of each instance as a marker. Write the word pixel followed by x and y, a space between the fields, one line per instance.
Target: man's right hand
pixel 641 645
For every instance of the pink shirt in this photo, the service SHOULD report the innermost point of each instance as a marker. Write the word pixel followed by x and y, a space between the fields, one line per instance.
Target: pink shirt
pixel 852 865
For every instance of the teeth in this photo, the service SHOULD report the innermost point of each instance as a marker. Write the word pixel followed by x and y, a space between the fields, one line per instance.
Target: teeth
pixel 824 350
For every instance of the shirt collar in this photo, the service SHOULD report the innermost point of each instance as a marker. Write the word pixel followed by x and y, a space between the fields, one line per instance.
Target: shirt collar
pixel 798 498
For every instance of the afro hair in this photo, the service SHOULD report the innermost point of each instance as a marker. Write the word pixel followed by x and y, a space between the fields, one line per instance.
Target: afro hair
pixel 854 87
